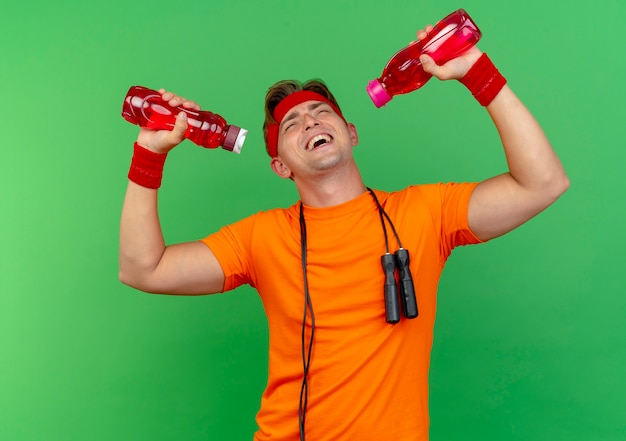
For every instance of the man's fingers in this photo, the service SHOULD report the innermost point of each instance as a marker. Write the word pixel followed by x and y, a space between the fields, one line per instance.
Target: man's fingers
pixel 180 127
pixel 422 33
pixel 429 64
pixel 174 100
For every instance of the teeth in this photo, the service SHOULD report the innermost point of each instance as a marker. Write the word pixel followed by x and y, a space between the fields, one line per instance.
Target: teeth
pixel 317 141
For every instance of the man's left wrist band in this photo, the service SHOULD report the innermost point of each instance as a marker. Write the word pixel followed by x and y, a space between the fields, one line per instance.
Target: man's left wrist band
pixel 146 167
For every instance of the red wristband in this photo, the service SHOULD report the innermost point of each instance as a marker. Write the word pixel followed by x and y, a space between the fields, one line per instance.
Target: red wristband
pixel 483 80
pixel 146 167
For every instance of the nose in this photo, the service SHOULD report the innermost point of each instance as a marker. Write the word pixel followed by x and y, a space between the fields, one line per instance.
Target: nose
pixel 309 121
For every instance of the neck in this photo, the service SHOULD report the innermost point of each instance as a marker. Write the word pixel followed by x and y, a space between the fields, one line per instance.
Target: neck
pixel 332 189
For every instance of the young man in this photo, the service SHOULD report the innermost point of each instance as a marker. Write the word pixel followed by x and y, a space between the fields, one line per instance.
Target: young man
pixel 345 362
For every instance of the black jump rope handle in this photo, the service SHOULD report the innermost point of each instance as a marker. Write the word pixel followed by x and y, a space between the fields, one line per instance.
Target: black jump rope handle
pixel 400 261
pixel 392 306
pixel 407 290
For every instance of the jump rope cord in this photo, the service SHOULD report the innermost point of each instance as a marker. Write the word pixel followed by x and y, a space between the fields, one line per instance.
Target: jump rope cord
pixel 308 307
pixel 306 352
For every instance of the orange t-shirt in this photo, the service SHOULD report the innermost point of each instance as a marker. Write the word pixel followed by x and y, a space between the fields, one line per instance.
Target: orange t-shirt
pixel 368 379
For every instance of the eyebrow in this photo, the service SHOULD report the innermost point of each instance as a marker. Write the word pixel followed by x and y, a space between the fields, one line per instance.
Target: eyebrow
pixel 294 114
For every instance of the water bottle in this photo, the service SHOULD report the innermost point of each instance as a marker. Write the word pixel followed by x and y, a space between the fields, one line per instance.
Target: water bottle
pixel 404 73
pixel 145 108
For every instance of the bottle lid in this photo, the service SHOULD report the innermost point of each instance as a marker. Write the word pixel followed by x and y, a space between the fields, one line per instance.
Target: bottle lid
pixel 235 137
pixel 377 93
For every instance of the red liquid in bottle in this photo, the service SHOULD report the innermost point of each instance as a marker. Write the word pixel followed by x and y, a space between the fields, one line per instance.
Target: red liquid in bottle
pixel 404 73
pixel 145 108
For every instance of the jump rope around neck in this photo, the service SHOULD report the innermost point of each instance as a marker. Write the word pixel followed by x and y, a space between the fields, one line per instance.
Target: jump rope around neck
pixel 398 288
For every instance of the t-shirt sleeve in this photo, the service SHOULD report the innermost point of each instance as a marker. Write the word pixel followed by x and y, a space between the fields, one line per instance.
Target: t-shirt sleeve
pixel 455 229
pixel 448 206
pixel 230 245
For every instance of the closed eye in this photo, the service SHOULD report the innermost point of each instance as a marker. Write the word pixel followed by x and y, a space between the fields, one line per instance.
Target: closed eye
pixel 288 126
pixel 323 109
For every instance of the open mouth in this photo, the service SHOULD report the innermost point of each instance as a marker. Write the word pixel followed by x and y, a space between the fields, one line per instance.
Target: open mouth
pixel 318 140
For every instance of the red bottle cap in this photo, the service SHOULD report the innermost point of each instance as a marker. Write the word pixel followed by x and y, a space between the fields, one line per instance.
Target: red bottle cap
pixel 377 93
pixel 235 137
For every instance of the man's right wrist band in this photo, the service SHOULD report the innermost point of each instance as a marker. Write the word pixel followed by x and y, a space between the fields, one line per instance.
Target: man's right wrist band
pixel 483 80
pixel 146 167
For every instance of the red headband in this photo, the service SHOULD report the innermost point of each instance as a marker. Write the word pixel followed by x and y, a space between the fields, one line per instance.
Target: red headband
pixel 289 102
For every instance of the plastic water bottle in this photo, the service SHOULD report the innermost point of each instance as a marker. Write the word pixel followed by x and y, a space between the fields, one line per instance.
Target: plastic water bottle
pixel 145 108
pixel 404 73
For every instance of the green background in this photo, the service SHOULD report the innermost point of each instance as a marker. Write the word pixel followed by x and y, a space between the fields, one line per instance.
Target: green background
pixel 530 338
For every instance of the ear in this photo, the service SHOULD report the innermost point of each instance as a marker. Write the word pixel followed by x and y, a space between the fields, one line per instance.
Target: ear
pixel 354 136
pixel 279 167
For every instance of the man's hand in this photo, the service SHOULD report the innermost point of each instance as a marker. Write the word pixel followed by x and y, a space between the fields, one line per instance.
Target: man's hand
pixel 162 141
pixel 454 69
